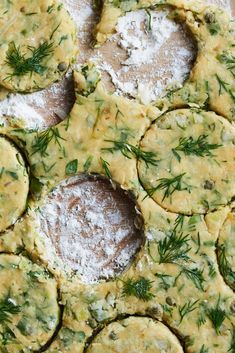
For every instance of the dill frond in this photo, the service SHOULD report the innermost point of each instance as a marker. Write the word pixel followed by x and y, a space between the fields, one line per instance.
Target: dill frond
pixel 170 185
pixel 129 150
pixel 173 248
pixel 43 139
pixel 21 65
pixel 139 288
pixel 8 308
pixel 198 147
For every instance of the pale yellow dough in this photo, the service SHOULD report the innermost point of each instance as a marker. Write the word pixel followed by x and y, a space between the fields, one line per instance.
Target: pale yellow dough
pixel 29 310
pixel 14 184
pixel 135 335
pixel 25 26
pixel 175 277
pixel 195 171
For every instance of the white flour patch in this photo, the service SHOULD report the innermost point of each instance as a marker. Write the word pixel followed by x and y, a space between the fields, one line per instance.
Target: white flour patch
pixel 93 231
pixel 39 109
pixel 142 44
pixel 148 40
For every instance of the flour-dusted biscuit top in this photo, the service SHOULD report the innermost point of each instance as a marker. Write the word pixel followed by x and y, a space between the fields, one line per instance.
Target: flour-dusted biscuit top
pixel 135 335
pixel 29 312
pixel 38 42
pixel 195 152
pixel 14 184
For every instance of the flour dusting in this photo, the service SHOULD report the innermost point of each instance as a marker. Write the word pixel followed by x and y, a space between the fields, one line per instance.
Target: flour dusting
pixel 150 53
pixel 92 230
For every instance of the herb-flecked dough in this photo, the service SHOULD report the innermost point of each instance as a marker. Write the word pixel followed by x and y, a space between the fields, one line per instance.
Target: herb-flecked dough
pixel 178 166
pixel 38 42
pixel 29 312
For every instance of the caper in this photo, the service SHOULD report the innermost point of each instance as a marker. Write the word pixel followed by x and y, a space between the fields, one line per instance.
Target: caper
pixel 113 336
pixel 170 301
pixel 62 66
pixel 209 185
pixel 92 323
pixel 155 311
pixel 210 17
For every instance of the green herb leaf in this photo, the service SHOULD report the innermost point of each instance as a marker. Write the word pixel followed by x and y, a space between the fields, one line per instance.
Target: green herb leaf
pixel 170 185
pixel 179 222
pixel 198 147
pixel 222 85
pixel 167 281
pixel 204 349
pixel 214 28
pixel 129 150
pixel 139 288
pixel 196 276
pixel 87 164
pixel 224 266
pixel 105 166
pixel 187 308
pixel 43 139
pixel 174 247
pixel 8 307
pixel 217 316
pixel 71 167
pixel 22 65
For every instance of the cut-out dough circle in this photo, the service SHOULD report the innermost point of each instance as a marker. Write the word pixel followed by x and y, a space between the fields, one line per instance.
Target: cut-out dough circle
pixel 28 302
pixel 195 152
pixel 135 334
pixel 14 184
pixel 84 216
pixel 38 43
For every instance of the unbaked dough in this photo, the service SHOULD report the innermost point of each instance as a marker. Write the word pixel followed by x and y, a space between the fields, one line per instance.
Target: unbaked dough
pixel 14 184
pixel 38 43
pixel 195 169
pixel 175 277
pixel 135 335
pixel 29 312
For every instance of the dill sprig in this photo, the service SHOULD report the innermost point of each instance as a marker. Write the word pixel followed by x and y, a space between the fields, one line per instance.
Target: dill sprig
pixel 224 266
pixel 173 247
pixel 204 349
pixel 139 288
pixel 8 308
pixel 222 85
pixel 129 150
pixel 201 320
pixel 42 140
pixel 217 316
pixel 166 281
pixel 179 222
pixel 228 59
pixel 187 308
pixel 170 185
pixel 105 166
pixel 195 275
pixel 198 147
pixel 22 65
